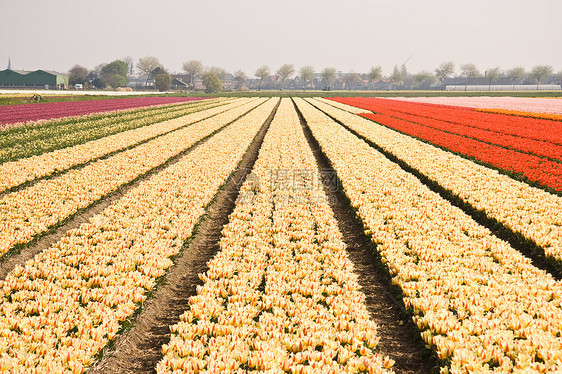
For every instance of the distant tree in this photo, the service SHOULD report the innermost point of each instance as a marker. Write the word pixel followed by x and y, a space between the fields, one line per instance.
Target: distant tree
pixel 115 74
pixel 406 79
pixel 129 61
pixel 517 74
pixel 375 74
pixel 329 76
pixel 469 70
pixel 352 80
pixel 194 68
pixel 262 73
pixel 220 72
pixel 396 76
pixel 445 70
pixel 423 80
pixel 77 75
pixel 539 72
pixel 284 72
pixel 306 74
pixel 240 78
pixel 212 82
pixel 493 74
pixel 559 76
pixel 163 82
pixel 147 65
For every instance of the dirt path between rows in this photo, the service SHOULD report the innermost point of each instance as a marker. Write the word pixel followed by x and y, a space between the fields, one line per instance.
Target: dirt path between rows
pixel 399 336
pixel 526 247
pixel 139 349
pixel 46 239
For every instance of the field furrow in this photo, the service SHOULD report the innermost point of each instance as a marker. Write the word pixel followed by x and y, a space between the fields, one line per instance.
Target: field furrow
pixel 13 174
pixel 63 307
pixel 528 211
pixel 34 210
pixel 280 296
pixel 476 300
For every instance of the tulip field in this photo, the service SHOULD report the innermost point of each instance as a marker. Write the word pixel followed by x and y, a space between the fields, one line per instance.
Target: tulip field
pixel 10 114
pixel 459 207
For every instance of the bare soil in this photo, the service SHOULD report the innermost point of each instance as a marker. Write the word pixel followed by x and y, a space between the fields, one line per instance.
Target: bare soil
pixel 20 254
pixel 399 337
pixel 526 246
pixel 138 350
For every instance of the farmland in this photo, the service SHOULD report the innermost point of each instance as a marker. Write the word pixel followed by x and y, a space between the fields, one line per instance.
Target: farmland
pixel 300 235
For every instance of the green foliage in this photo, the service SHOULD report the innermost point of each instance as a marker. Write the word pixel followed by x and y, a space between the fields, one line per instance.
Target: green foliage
pixel 212 82
pixel 115 74
pixel 163 82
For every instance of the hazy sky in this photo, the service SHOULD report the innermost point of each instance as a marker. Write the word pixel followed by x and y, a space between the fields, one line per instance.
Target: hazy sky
pixel 350 35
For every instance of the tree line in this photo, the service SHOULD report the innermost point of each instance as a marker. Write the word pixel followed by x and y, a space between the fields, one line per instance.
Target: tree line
pixel 116 74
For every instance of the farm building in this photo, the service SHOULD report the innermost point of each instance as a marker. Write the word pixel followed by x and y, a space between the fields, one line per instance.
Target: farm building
pixel 37 78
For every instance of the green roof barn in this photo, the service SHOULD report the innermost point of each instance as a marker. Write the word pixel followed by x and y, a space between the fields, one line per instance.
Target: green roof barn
pixel 37 78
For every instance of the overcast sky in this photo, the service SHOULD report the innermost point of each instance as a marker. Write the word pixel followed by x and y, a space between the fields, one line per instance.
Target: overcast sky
pixel 350 35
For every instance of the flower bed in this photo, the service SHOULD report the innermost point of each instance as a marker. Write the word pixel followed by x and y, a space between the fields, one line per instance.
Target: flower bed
pixel 526 104
pixel 60 309
pixel 478 302
pixel 14 173
pixel 280 296
pixel 33 210
pixel 540 170
pixel 529 211
pixel 23 142
pixel 31 112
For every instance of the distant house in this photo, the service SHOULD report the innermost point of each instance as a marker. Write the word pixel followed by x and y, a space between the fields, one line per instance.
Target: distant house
pixel 180 81
pixel 38 78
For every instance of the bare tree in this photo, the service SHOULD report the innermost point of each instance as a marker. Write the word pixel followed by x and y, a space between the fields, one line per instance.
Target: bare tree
pixel 469 70
pixel 374 75
pixel 194 68
pixel 396 77
pixel 307 74
pixel 130 63
pixel 284 72
pixel 424 79
pixel 539 72
pixel 445 70
pixel 493 74
pixel 517 74
pixel 329 76
pixel 240 78
pixel 147 65
pixel 77 74
pixel 352 80
pixel 262 73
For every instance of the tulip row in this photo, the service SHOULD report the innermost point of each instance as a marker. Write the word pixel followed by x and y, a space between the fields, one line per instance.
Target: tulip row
pixel 60 309
pixel 280 296
pixel 348 108
pixel 33 210
pixel 531 212
pixel 532 168
pixel 29 141
pixel 30 112
pixel 14 173
pixel 538 148
pixel 476 300
pixel 549 116
pixel 527 104
pixel 542 130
